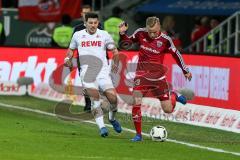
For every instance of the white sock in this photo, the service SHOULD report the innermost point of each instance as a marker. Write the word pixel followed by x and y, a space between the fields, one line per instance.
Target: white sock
pixel 112 112
pixel 111 115
pixel 100 122
pixel 96 104
pixel 99 119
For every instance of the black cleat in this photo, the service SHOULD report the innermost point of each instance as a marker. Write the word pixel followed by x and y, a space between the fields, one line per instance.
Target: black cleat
pixel 87 108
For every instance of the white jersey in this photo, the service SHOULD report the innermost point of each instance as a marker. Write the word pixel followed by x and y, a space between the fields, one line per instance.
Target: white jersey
pixel 92 45
pixel 92 56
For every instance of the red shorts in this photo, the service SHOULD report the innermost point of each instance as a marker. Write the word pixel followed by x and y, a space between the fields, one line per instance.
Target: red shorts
pixel 155 88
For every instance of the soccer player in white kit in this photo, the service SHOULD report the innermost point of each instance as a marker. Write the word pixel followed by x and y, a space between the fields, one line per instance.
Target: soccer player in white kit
pixel 92 44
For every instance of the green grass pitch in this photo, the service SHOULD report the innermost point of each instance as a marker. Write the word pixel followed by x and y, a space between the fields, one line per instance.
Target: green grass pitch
pixel 31 136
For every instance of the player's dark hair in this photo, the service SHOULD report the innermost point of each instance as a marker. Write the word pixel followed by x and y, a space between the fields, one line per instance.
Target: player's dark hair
pixel 91 15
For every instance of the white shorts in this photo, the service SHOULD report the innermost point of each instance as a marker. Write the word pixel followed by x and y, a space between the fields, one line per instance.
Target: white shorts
pixel 101 81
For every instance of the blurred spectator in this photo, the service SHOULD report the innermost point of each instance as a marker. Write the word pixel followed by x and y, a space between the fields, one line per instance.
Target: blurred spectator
pixel 62 35
pixel 85 9
pixel 197 24
pixel 2 34
pixel 213 37
pixel 80 25
pixel 214 23
pixel 168 27
pixel 111 24
pixel 201 30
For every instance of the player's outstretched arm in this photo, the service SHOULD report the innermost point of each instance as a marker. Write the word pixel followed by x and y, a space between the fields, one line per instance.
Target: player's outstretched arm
pixel 115 63
pixel 178 58
pixel 68 58
pixel 188 76
pixel 125 40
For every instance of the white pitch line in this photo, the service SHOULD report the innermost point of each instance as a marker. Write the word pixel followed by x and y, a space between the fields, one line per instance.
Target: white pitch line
pixel 126 129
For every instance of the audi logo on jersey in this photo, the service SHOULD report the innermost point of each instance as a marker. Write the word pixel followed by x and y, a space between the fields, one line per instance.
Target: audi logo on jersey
pixel 91 43
pixel 149 49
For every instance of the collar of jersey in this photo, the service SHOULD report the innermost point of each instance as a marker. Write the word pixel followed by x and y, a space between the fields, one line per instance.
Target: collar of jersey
pixel 89 33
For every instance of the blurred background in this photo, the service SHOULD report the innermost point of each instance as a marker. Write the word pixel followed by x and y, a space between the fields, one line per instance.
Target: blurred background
pixel 187 22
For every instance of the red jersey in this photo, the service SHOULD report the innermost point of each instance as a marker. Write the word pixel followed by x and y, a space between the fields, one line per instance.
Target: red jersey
pixel 153 50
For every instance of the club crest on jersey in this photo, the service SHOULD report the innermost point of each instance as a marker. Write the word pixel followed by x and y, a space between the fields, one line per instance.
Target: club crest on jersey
pixel 159 44
pixel 97 36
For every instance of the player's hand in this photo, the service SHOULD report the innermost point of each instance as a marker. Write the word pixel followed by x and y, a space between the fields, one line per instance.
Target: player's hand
pixel 123 26
pixel 188 76
pixel 68 62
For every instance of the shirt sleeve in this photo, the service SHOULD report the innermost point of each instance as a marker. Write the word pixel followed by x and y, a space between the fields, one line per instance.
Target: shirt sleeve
pixel 109 42
pixel 133 38
pixel 176 55
pixel 73 44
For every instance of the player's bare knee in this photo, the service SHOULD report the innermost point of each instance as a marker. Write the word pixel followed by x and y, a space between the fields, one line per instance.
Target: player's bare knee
pixel 111 96
pixel 92 93
pixel 112 99
pixel 137 97
pixel 167 110
pixel 137 101
pixel 167 106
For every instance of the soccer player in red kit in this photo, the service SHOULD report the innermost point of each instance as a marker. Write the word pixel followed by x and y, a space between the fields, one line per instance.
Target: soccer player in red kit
pixel 153 46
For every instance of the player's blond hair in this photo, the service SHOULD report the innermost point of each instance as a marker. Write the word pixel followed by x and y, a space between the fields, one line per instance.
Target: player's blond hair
pixel 151 21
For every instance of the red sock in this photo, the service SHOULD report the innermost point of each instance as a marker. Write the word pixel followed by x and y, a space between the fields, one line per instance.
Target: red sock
pixel 137 118
pixel 173 100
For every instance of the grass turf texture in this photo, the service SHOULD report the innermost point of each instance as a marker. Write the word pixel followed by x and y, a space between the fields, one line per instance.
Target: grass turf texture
pixel 26 135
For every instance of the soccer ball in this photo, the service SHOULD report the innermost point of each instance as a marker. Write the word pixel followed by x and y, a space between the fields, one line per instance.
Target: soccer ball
pixel 158 133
